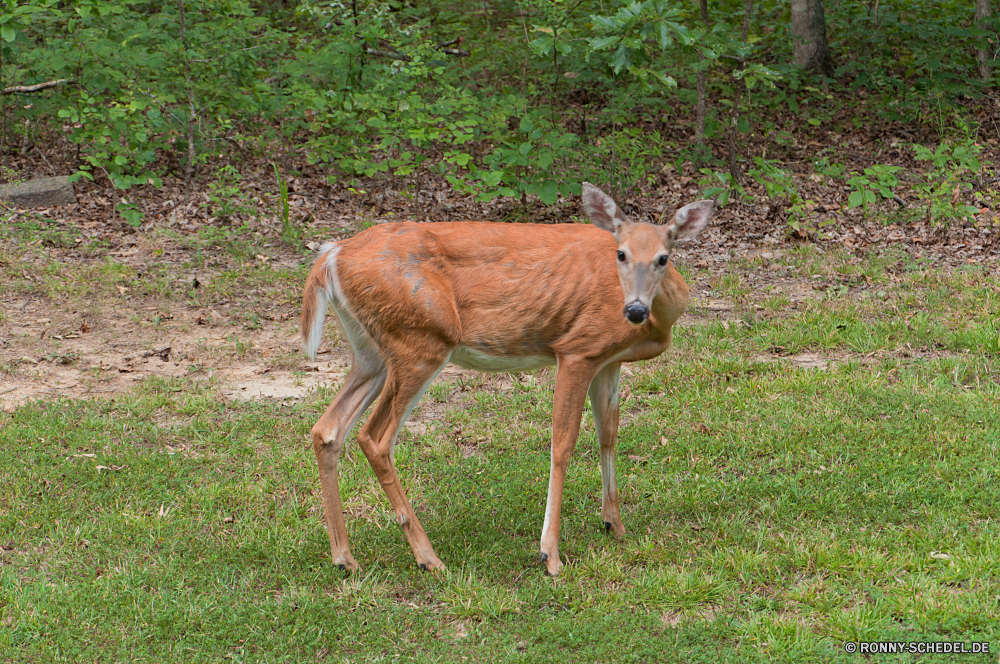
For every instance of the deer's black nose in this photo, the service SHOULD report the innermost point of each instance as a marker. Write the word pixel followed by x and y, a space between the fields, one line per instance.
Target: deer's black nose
pixel 636 312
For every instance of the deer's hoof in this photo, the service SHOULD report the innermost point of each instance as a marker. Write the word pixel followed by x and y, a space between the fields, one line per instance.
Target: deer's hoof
pixel 431 565
pixel 552 564
pixel 347 563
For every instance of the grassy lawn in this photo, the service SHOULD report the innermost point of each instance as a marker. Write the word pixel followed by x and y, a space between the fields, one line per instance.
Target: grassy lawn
pixel 775 511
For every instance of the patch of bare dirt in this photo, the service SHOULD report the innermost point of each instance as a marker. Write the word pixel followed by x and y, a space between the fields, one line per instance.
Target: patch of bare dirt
pixel 49 352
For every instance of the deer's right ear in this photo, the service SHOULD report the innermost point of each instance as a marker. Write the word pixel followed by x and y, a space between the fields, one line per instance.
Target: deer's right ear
pixel 602 210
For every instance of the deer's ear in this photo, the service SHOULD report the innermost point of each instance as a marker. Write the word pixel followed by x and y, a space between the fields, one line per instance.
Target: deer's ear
pixel 602 210
pixel 689 221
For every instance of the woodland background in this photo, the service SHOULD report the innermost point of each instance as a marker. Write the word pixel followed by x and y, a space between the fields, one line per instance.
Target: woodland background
pixel 801 118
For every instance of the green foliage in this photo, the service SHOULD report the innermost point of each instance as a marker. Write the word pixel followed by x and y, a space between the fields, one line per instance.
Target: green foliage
pixel 531 161
pixel 716 184
pixel 624 160
pixel 368 88
pixel 959 157
pixel 406 109
pixel 781 190
pixel 226 198
pixel 389 129
pixel 291 231
pixel 556 31
pixel 952 165
pixel 9 176
pixel 130 97
pixel 17 17
pixel 874 183
pixel 909 53
pixel 777 182
pixel 636 37
pixel 834 170
pixel 118 139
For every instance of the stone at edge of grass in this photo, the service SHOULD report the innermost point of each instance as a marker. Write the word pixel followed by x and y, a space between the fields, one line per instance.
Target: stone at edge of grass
pixel 40 192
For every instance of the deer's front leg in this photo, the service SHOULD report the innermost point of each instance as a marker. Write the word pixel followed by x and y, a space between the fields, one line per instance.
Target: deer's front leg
pixel 572 381
pixel 604 403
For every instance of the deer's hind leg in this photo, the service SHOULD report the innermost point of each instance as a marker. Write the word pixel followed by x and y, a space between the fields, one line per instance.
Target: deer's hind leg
pixel 405 384
pixel 361 387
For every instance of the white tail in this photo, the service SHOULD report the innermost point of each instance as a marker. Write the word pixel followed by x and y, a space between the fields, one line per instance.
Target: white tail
pixel 494 297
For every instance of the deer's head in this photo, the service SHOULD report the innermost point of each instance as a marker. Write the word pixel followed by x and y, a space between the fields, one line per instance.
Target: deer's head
pixel 643 249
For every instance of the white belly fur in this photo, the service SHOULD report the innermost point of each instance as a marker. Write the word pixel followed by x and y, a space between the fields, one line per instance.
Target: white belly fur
pixel 470 358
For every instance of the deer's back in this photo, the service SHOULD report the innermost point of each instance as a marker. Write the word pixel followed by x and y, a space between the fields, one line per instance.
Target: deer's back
pixel 497 290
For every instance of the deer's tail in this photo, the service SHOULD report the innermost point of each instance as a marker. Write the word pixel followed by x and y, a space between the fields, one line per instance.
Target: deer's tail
pixel 318 293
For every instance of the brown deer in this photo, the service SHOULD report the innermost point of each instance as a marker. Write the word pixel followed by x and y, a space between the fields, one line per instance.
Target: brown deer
pixel 413 297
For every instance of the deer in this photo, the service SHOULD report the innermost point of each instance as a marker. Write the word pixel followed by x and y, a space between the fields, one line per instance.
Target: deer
pixel 411 298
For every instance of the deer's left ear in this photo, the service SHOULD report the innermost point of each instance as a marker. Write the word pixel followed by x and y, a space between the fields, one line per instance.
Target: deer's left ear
pixel 689 221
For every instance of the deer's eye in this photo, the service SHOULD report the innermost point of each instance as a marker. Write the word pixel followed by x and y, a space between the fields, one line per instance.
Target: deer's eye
pixel 664 258
pixel 621 256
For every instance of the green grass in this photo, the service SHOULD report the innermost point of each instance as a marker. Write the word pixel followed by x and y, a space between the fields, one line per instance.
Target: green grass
pixel 774 514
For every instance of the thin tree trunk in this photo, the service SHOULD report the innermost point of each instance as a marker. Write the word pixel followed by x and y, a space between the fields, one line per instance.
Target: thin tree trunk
pixel 416 197
pixel 735 170
pixel 192 154
pixel 983 55
pixel 809 47
pixel 26 138
pixel 3 111
pixel 555 68
pixel 701 109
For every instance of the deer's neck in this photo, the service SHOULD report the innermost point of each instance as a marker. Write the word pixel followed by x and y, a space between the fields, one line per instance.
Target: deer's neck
pixel 671 301
pixel 667 308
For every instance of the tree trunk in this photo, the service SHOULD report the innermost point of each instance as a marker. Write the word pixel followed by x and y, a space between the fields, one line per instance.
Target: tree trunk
pixel 701 110
pixel 809 47
pixel 192 154
pixel 983 54
pixel 735 169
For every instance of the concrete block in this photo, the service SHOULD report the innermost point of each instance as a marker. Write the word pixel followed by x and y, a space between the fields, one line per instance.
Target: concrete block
pixel 39 193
